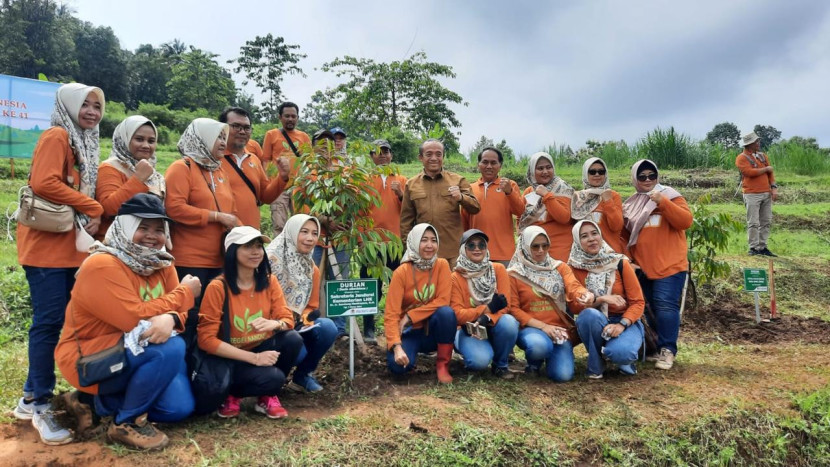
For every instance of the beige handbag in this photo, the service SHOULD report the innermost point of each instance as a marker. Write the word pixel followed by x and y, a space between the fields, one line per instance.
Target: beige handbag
pixel 39 214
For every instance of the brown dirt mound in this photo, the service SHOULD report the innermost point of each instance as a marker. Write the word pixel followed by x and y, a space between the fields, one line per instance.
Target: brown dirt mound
pixel 20 445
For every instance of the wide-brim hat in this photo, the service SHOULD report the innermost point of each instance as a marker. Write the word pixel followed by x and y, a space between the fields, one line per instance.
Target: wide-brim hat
pixel 749 138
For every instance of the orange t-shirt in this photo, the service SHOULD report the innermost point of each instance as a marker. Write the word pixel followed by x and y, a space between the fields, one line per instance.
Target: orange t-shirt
pixel 252 147
pixel 754 181
pixel 558 224
pixel 388 214
pixel 243 308
pixel 108 300
pixel 461 301
pixel 113 189
pixel 401 299
pixel 609 216
pixel 530 304
pixel 626 286
pixel 197 243
pixel 53 176
pixel 246 201
pixel 273 147
pixel 496 217
pixel 661 249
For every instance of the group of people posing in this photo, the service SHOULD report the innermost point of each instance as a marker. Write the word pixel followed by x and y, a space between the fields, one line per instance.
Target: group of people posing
pixel 176 263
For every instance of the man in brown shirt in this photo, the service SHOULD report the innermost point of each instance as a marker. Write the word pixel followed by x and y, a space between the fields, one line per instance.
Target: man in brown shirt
pixel 436 196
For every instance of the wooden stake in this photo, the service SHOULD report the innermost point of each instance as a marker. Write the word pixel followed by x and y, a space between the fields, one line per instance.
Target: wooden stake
pixel 773 308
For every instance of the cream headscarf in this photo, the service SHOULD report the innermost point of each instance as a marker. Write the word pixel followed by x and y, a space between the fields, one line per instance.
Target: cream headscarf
pixel 140 259
pixel 542 276
pixel 197 142
pixel 638 208
pixel 294 270
pixel 585 201
pixel 601 267
pixel 536 212
pixel 481 277
pixel 413 243
pixel 124 161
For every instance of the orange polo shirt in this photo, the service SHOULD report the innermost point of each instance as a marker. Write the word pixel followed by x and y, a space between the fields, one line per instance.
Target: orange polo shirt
pixel 609 216
pixel 53 176
pixel 754 181
pixel 273 147
pixel 400 299
pixel 661 248
pixel 558 224
pixel 252 147
pixel 197 243
pixel 496 217
pixel 626 286
pixel 529 304
pixel 108 300
pixel 246 200
pixel 388 214
pixel 113 189
pixel 462 302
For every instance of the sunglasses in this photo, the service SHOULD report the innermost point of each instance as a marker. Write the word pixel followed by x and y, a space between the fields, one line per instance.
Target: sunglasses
pixel 596 171
pixel 540 246
pixel 476 245
pixel 644 177
pixel 240 127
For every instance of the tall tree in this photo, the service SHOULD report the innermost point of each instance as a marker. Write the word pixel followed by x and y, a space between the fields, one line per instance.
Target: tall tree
pixel 265 60
pixel 322 112
pixel 726 134
pixel 149 71
pixel 200 82
pixel 769 135
pixel 101 62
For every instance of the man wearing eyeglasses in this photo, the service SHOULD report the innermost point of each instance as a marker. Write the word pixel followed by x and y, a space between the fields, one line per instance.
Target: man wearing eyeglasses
pixel 249 182
pixel 500 200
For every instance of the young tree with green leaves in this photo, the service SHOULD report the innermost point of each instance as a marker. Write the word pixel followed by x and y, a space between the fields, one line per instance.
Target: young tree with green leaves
pixel 198 81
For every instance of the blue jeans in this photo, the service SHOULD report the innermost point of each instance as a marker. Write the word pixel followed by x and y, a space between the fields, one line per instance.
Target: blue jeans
pixel 538 347
pixel 316 343
pixel 342 258
pixel 50 289
pixel 479 353
pixel 663 295
pixel 620 350
pixel 156 384
pixel 441 325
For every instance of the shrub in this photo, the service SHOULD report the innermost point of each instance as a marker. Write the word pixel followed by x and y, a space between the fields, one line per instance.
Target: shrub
pixel 114 113
pixel 708 235
pixel 801 159
pixel 667 148
pixel 15 305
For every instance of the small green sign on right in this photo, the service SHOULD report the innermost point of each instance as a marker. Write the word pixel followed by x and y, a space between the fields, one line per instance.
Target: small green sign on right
pixel 755 280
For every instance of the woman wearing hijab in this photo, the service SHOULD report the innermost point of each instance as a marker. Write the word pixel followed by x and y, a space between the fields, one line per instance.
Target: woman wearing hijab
pixel 200 201
pixel 262 342
pixel 542 287
pixel 599 203
pixel 418 317
pixel 291 262
pixel 481 295
pixel 128 285
pixel 548 204
pixel 130 169
pixel 64 170
pixel 609 327
pixel 656 219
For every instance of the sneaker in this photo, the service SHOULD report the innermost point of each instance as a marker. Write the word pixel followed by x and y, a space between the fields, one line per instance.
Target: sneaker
pixel 229 408
pixel 629 369
pixel 594 377
pixel 82 412
pixel 665 360
pixel 652 357
pixel 24 410
pixel 140 435
pixel 44 421
pixel 502 373
pixel 271 407
pixel 765 251
pixel 533 370
pixel 754 252
pixel 306 384
pixel 369 337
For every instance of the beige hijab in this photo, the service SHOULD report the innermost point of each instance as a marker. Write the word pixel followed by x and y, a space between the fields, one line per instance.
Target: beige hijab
pixel 537 212
pixel 196 143
pixel 601 267
pixel 481 277
pixel 294 270
pixel 123 160
pixel 586 200
pixel 638 208
pixel 542 276
pixel 413 244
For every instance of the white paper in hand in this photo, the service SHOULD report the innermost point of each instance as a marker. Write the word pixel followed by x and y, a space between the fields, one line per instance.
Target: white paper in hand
pixel 532 198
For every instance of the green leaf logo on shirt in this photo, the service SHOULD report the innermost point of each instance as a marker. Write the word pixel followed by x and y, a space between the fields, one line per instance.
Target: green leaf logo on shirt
pixel 147 294
pixel 425 294
pixel 243 324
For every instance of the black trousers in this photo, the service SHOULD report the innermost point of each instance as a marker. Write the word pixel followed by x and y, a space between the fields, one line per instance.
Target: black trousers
pixel 250 380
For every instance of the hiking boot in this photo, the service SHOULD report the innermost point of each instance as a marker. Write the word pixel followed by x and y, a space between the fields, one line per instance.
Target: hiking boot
pixel 229 408
pixel 666 359
pixel 44 421
pixel 82 412
pixel 304 384
pixel 502 373
pixel 24 410
pixel 765 251
pixel 271 407
pixel 140 435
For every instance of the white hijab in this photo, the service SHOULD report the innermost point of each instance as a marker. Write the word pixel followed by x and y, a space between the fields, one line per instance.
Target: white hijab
pixel 537 212
pixel 413 244
pixel 294 270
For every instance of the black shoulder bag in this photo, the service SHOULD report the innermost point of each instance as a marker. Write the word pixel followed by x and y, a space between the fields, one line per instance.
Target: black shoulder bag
pixel 211 375
pixel 244 178
pixel 649 334
pixel 290 143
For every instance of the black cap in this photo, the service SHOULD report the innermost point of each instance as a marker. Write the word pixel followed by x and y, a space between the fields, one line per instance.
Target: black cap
pixel 473 232
pixel 145 206
pixel 338 131
pixel 382 143
pixel 320 134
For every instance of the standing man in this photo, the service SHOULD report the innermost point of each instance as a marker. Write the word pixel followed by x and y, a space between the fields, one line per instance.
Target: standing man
pixel 500 200
pixel 274 150
pixel 760 190
pixel 436 196
pixel 251 186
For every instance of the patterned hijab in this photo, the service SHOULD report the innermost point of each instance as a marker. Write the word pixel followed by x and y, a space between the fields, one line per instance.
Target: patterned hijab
pixel 585 201
pixel 542 276
pixel 413 243
pixel 481 277
pixel 638 208
pixel 125 162
pixel 294 270
pixel 536 212
pixel 601 267
pixel 68 102
pixel 198 139
pixel 119 243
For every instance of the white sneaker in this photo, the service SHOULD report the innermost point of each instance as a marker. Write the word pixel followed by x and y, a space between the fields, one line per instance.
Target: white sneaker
pixel 44 421
pixel 24 410
pixel 665 361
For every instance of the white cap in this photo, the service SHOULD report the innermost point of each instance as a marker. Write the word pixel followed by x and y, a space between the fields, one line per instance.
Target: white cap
pixel 243 235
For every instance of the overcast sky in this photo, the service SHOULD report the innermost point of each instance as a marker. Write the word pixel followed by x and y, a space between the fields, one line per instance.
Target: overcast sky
pixel 535 73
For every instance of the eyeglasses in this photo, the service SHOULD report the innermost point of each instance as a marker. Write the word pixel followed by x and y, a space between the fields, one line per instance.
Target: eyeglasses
pixel 476 245
pixel 539 246
pixel 596 171
pixel 643 177
pixel 240 127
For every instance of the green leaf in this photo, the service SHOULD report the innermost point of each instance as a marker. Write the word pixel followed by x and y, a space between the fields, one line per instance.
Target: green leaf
pixel 239 324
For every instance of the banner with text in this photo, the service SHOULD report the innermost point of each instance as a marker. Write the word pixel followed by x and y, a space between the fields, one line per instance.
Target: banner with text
pixel 25 109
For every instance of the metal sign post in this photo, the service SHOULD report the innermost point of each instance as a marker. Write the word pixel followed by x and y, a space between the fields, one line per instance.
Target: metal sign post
pixel 755 281
pixel 356 297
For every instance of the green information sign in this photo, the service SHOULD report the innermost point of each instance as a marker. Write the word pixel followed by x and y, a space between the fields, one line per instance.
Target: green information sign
pixel 755 280
pixel 352 297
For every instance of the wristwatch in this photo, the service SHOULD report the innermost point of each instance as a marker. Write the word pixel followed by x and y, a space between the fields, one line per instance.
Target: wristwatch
pixel 625 323
pixel 773 185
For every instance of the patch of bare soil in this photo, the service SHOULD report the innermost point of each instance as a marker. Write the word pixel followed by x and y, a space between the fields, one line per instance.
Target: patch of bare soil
pixel 20 445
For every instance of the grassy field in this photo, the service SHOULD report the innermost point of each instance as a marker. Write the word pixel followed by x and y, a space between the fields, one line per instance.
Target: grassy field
pixel 740 393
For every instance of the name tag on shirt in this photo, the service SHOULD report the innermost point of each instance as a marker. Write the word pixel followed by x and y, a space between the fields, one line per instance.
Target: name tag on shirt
pixel 596 216
pixel 653 221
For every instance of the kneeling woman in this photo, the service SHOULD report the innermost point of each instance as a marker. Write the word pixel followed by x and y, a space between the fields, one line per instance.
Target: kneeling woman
pixel 418 317
pixel 263 343
pixel 611 327
pixel 481 295
pixel 127 279
pixel 542 287
pixel 291 261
